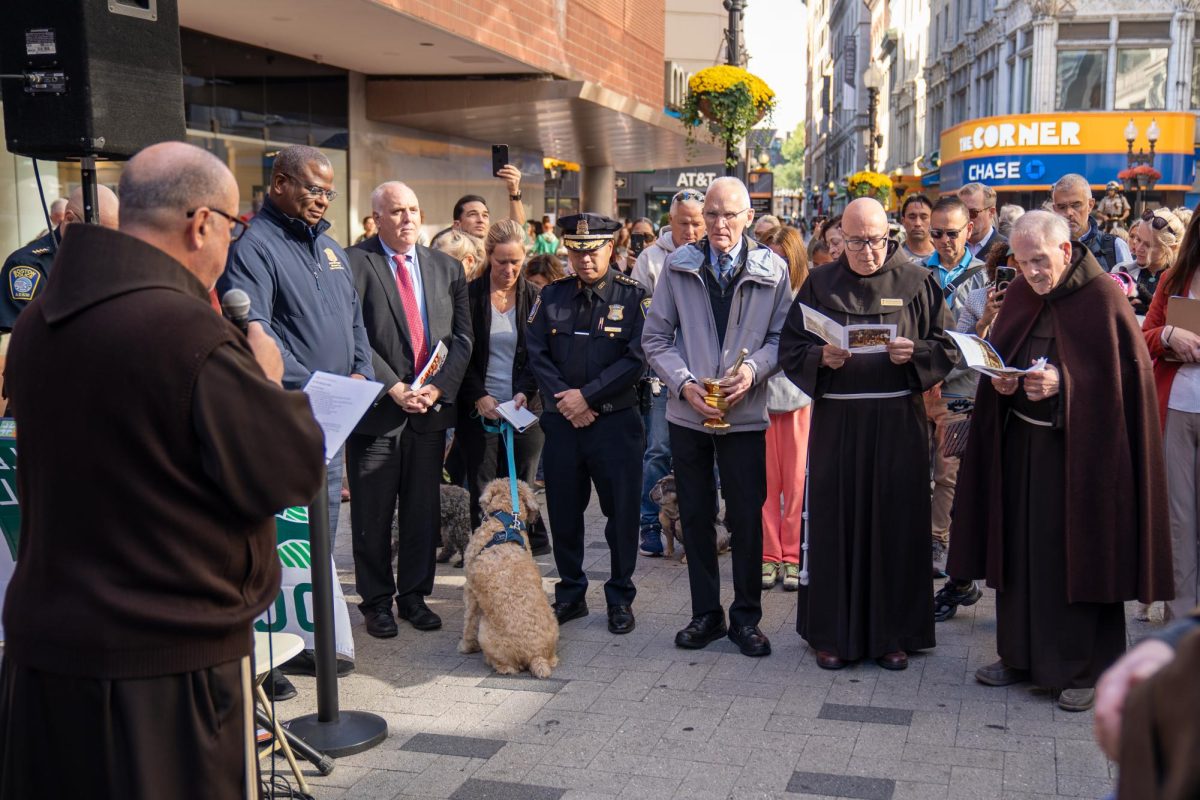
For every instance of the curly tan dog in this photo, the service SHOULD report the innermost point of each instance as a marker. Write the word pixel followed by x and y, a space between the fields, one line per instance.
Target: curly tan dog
pixel 507 613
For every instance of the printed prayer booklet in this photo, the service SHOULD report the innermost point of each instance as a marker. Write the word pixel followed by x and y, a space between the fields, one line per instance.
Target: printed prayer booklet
pixel 338 403
pixel 855 338
pixel 432 367
pixel 520 418
pixel 982 357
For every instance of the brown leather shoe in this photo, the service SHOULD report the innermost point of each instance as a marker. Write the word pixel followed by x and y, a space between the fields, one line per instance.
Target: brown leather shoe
pixel 828 660
pixel 896 660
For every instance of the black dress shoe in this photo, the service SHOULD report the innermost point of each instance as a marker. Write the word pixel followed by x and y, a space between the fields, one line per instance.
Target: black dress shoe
pixel 620 619
pixel 750 640
pixel 565 612
pixel 701 631
pixel 305 663
pixel 278 687
pixel 380 622
pixel 420 617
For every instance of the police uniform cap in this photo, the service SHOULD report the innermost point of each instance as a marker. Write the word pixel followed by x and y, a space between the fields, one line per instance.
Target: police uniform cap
pixel 583 232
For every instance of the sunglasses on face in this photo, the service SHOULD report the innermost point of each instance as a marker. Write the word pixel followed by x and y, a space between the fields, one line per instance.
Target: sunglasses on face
pixel 688 195
pixel 975 212
pixel 949 233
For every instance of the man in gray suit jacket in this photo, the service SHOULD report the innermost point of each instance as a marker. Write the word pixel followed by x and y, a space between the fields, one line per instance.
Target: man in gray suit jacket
pixel 412 299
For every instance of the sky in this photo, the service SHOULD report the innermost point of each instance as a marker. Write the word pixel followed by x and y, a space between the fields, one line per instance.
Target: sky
pixel 775 32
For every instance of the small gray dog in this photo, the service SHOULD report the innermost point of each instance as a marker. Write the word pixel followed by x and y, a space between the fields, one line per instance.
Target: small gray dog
pixel 456 524
pixel 664 495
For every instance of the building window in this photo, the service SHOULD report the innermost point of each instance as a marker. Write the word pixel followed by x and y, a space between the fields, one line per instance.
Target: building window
pixel 1141 78
pixel 1196 75
pixel 987 95
pixel 1081 80
pixel 1024 102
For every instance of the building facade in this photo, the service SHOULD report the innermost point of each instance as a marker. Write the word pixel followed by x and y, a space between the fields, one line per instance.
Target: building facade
pixel 413 90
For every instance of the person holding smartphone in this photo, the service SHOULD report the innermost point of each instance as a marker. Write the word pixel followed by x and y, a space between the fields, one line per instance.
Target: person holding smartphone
pixel 981 305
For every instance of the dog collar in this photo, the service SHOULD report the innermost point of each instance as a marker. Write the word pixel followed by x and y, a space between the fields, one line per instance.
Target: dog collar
pixel 511 531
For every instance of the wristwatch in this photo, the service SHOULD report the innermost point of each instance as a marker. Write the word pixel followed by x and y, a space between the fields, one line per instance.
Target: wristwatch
pixel 516 196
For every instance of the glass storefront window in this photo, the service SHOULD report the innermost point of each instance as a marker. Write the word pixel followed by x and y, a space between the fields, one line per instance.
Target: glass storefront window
pixel 1141 78
pixel 1081 80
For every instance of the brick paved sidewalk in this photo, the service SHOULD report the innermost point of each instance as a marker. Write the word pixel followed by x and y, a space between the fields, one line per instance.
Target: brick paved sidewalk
pixel 634 717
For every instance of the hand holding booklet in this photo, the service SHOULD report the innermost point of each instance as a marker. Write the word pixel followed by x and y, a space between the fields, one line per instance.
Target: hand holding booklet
pixel 432 366
pixel 855 338
pixel 982 357
pixel 520 418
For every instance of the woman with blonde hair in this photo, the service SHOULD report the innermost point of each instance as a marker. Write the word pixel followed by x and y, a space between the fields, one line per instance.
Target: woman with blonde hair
pixel 462 247
pixel 787 443
pixel 1154 240
pixel 500 300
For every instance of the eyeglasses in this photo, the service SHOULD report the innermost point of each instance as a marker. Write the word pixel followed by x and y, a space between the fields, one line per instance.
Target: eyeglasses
pixel 875 243
pixel 975 212
pixel 951 234
pixel 1158 222
pixel 711 217
pixel 688 195
pixel 236 226
pixel 312 191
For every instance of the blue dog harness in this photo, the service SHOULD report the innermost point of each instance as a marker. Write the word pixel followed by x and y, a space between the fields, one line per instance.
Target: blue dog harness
pixel 511 531
pixel 513 525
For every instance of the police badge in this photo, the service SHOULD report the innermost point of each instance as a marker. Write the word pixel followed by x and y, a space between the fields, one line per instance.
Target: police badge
pixel 616 312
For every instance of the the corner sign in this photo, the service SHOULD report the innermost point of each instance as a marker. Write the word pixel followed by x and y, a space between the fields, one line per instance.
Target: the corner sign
pixel 1064 133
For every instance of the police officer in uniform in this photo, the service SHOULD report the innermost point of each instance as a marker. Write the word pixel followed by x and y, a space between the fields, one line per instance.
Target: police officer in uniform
pixel 584 340
pixel 24 274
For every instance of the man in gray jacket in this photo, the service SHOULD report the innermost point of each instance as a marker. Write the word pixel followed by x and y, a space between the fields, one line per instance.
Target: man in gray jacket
pixel 714 298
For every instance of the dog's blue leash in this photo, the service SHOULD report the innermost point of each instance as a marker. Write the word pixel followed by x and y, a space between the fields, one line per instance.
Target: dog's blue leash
pixel 505 429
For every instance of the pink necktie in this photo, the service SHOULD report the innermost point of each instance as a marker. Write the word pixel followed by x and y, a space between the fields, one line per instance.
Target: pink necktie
pixel 412 312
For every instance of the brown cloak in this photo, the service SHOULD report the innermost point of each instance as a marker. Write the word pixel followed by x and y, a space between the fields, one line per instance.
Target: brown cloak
pixel 1117 535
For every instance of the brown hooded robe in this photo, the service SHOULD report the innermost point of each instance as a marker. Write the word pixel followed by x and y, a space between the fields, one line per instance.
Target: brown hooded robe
pixel 1066 521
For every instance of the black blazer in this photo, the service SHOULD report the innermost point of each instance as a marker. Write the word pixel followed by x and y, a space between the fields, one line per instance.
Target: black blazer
pixel 445 290
pixel 473 383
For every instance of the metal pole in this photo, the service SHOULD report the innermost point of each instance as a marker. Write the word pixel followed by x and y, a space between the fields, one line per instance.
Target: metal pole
pixel 733 57
pixel 872 110
pixel 87 178
pixel 330 730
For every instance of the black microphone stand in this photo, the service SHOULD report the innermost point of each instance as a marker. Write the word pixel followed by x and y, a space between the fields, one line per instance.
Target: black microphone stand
pixel 337 733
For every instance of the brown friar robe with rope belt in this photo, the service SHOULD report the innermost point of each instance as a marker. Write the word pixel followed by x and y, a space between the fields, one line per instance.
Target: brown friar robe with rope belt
pixel 1061 503
pixel 868 492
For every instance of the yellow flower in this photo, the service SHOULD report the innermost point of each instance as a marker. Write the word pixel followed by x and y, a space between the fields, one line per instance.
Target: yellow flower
pixel 715 80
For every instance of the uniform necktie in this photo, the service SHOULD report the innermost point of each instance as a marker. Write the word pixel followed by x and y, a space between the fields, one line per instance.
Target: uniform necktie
pixel 583 320
pixel 412 312
pixel 724 267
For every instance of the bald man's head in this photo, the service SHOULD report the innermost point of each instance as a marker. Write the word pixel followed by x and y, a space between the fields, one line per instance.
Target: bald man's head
pixel 105 200
pixel 865 227
pixel 183 200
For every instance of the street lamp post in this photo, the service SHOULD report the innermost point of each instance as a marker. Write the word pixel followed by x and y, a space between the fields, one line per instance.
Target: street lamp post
pixel 734 58
pixel 872 79
pixel 1140 183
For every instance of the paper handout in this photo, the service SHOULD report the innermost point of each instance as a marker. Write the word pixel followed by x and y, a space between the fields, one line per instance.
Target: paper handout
pixel 982 357
pixel 432 366
pixel 338 403
pixel 855 338
pixel 520 418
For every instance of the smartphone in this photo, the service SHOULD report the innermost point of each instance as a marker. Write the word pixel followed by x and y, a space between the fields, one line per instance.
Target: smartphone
pixel 499 158
pixel 637 243
pixel 1005 276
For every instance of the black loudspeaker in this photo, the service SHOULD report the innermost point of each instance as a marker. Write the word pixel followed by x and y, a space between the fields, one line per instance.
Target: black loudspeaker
pixel 90 77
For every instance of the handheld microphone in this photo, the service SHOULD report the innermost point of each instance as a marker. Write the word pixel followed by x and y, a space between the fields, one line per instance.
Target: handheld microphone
pixel 236 306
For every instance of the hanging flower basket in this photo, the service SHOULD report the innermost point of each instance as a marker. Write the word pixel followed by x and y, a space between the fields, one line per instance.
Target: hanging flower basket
pixel 870 184
pixel 1142 176
pixel 729 101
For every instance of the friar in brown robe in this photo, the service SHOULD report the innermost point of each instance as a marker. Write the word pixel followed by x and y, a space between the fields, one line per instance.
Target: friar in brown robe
pixel 1061 500
pixel 868 492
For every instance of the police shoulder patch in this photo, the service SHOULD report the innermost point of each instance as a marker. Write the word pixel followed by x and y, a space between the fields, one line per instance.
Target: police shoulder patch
pixel 645 307
pixel 537 304
pixel 24 282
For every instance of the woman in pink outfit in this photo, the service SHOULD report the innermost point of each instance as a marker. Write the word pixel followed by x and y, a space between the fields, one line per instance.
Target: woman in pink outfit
pixel 787 444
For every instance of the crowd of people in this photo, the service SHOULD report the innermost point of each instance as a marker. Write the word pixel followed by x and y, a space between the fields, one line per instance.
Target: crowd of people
pixel 1066 480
